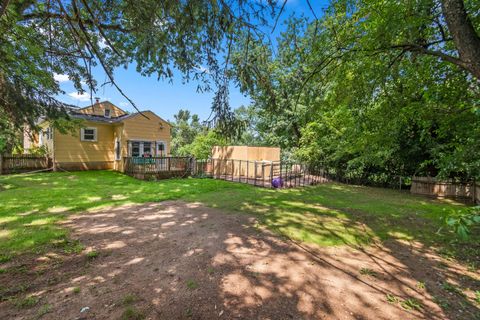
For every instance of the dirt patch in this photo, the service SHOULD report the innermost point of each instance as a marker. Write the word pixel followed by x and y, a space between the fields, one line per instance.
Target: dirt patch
pixel 175 260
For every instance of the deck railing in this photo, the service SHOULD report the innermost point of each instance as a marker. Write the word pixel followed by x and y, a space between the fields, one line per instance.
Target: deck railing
pixel 158 167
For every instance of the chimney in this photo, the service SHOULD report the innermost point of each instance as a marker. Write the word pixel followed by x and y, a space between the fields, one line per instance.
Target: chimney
pixel 97 100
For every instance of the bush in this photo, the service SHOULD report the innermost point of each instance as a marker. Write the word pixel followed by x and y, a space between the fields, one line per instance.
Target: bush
pixel 464 221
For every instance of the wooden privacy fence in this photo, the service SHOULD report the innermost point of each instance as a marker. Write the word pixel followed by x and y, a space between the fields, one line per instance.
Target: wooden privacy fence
pixel 23 163
pixel 448 188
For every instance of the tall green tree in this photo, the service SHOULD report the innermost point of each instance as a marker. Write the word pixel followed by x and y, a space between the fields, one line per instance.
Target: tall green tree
pixel 39 39
pixel 185 128
pixel 368 90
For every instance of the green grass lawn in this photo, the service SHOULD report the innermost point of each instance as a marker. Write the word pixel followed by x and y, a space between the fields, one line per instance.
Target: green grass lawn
pixel 329 214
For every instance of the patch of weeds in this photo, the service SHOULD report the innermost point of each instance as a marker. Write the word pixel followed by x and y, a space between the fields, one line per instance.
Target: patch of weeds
pixel 26 302
pixel 477 296
pixel 189 313
pixel 2 270
pixel 447 253
pixel 129 299
pixel 92 255
pixel 411 304
pixel 46 308
pixel 472 266
pixel 53 280
pixel 442 303
pixel 5 258
pixel 76 290
pixel 210 270
pixel 20 269
pixel 70 247
pixel 452 288
pixel 420 285
pixel 131 313
pixel 368 272
pixel 392 299
pixel 191 284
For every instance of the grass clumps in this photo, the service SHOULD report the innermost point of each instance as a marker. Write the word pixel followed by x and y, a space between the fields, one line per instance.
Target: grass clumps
pixel 92 255
pixel 192 284
pixel 26 302
pixel 132 313
pixel 368 272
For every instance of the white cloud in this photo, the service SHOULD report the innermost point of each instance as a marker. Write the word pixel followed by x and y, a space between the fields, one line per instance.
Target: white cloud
pixel 123 104
pixel 60 77
pixel 202 69
pixel 80 96
pixel 102 43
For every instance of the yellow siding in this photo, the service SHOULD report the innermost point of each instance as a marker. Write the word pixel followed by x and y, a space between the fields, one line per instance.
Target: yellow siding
pixel 141 128
pixel 70 148
pixel 98 109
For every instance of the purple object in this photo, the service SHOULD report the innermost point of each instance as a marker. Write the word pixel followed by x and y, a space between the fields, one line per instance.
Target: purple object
pixel 277 183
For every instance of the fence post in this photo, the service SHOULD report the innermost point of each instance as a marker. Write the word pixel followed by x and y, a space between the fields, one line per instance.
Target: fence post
pixel 255 177
pixel 271 173
pixel 240 171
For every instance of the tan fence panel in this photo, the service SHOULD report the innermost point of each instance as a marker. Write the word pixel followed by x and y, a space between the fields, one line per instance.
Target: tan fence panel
pixel 23 163
pixel 445 188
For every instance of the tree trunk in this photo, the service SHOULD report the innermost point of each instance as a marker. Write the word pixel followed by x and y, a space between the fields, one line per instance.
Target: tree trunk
pixel 464 35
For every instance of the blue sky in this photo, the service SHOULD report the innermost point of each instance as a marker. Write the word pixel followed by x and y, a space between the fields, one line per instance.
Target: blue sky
pixel 163 97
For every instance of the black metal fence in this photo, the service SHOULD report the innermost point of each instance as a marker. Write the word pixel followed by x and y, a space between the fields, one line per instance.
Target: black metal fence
pixel 276 174
pixel 267 174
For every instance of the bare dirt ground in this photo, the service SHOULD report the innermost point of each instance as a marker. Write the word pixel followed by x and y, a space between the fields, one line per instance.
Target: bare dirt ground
pixel 175 260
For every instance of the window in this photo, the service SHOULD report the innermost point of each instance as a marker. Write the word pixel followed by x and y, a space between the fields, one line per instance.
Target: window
pixel 40 138
pixel 147 149
pixel 118 150
pixel 107 113
pixel 88 134
pixel 161 149
pixel 135 149
pixel 141 148
pixel 49 133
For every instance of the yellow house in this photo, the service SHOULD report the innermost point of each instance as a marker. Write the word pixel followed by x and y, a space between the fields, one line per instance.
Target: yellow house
pixel 107 135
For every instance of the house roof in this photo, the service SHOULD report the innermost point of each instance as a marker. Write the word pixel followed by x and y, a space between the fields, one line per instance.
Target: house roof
pixel 102 119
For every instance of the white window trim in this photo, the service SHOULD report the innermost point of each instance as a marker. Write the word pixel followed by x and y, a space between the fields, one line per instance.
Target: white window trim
pixel 82 132
pixel 40 138
pixel 109 113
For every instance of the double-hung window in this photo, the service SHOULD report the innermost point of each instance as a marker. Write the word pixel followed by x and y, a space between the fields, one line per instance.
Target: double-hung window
pixel 161 149
pixel 136 149
pixel 142 148
pixel 88 134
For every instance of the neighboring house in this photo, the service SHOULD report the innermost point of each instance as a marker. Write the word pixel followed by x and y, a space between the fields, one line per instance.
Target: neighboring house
pixel 106 135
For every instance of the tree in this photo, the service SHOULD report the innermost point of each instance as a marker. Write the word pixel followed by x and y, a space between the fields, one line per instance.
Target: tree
pixel 39 39
pixel 346 92
pixel 185 129
pixel 201 147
